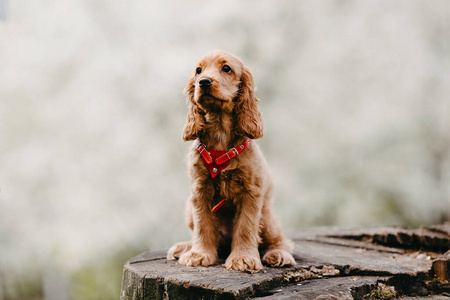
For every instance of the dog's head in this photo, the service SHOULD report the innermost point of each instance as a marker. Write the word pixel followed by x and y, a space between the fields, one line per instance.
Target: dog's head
pixel 221 83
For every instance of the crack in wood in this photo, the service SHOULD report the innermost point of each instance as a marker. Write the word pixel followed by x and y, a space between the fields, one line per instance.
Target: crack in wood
pixel 145 260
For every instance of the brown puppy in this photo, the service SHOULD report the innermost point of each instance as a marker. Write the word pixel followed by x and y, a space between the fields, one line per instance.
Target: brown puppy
pixel 223 114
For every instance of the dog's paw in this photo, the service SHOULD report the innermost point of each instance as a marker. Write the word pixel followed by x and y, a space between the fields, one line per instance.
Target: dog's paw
pixel 197 258
pixel 278 258
pixel 178 249
pixel 242 262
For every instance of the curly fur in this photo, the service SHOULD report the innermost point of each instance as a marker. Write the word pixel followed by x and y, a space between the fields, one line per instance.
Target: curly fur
pixel 223 116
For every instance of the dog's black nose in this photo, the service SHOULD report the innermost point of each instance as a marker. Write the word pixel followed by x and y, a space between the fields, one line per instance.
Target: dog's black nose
pixel 205 82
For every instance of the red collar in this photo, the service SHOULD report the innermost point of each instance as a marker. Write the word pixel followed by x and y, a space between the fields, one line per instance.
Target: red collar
pixel 217 160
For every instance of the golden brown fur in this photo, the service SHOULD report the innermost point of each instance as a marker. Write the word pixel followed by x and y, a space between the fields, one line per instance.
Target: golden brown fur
pixel 223 115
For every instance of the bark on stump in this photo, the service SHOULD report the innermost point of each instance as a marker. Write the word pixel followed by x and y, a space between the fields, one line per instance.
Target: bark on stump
pixel 332 263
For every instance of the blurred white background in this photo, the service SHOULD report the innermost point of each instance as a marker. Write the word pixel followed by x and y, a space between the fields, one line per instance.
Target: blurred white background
pixel 355 96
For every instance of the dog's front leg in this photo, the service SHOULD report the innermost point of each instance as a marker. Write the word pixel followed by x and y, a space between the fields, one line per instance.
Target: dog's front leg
pixel 205 231
pixel 244 254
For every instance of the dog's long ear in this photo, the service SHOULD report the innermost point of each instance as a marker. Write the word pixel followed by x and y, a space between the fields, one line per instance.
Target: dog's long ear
pixel 248 119
pixel 195 121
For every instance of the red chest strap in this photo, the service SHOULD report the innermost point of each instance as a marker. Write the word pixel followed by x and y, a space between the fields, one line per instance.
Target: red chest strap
pixel 204 153
pixel 216 161
pixel 209 159
pixel 233 152
pixel 220 157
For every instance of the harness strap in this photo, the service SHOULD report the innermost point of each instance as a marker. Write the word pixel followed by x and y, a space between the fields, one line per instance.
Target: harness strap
pixel 203 152
pixel 216 161
pixel 219 205
pixel 233 152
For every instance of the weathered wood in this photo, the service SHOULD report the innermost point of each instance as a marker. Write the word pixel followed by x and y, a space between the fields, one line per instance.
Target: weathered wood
pixel 441 267
pixel 331 262
pixel 435 238
pixel 328 288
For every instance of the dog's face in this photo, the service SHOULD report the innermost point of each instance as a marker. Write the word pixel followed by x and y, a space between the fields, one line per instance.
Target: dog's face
pixel 216 81
pixel 220 84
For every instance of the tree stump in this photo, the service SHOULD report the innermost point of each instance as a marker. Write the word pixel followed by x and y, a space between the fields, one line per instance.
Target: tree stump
pixel 332 263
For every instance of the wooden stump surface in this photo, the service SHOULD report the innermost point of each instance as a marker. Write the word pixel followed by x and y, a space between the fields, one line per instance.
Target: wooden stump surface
pixel 332 263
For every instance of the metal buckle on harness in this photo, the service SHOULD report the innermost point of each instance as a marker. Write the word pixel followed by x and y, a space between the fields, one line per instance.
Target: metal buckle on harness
pixel 234 150
pixel 200 144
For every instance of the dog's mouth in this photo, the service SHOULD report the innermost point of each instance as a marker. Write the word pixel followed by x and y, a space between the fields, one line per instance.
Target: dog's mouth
pixel 208 97
pixel 211 103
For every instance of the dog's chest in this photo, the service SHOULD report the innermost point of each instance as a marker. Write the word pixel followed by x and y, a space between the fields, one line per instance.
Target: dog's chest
pixel 226 216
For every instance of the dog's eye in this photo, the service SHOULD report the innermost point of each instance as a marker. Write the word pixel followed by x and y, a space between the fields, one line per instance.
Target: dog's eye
pixel 198 70
pixel 226 69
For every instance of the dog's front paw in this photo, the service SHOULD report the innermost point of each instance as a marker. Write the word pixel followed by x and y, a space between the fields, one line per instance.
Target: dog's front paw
pixel 198 258
pixel 278 258
pixel 178 249
pixel 242 262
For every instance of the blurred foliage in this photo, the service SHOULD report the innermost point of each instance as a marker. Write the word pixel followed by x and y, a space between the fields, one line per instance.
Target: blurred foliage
pixel 25 286
pixel 97 280
pixel 100 281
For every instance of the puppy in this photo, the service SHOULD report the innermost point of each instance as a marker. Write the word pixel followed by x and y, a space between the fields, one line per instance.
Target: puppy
pixel 229 207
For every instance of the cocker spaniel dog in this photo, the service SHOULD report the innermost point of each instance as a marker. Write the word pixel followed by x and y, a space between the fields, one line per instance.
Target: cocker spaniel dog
pixel 229 207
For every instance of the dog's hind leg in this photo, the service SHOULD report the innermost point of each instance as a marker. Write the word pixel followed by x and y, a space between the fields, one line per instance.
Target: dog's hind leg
pixel 276 248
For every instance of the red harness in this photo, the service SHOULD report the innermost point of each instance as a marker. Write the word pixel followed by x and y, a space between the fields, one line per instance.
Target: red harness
pixel 216 161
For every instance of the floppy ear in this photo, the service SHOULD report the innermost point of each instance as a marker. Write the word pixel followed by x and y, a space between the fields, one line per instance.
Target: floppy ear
pixel 195 121
pixel 248 119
